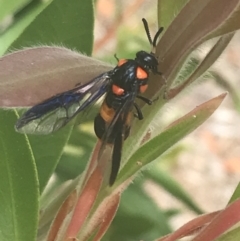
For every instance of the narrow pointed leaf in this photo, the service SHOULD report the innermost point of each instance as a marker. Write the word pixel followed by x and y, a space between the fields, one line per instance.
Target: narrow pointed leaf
pixel 224 221
pixel 61 216
pixel 106 212
pixel 175 132
pixel 96 175
pixel 84 203
pixel 190 227
pixel 206 63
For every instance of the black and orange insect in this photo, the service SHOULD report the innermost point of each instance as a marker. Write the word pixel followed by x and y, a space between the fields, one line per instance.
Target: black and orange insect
pixel 121 87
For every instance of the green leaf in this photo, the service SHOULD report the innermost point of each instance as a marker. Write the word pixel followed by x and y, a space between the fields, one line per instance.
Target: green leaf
pixel 47 151
pixel 232 235
pixel 63 22
pixel 18 184
pixel 175 132
pixel 167 11
pixel 51 200
pixel 10 7
pixel 77 152
pixel 205 64
pixel 236 194
pixel 21 21
pixel 138 217
pixel 171 186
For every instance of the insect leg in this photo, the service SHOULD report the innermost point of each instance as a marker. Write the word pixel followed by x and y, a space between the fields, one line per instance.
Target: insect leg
pixel 139 113
pixel 146 100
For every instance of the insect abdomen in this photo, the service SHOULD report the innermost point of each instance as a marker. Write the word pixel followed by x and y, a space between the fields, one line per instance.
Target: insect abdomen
pixel 104 118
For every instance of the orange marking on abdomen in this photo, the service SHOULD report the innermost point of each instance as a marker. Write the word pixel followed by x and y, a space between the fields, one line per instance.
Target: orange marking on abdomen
pixel 117 90
pixel 141 73
pixel 107 113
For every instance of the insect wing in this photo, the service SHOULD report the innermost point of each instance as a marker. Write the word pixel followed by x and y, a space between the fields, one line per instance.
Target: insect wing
pixel 55 112
pixel 117 126
pixel 117 150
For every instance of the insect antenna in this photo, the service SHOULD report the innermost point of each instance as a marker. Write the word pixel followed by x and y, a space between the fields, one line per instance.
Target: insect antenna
pixel 156 36
pixel 145 23
pixel 154 42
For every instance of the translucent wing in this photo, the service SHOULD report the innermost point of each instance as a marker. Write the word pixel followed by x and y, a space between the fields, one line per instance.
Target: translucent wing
pixel 55 112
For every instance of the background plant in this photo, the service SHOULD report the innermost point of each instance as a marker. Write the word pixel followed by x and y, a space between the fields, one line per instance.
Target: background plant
pixel 28 162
